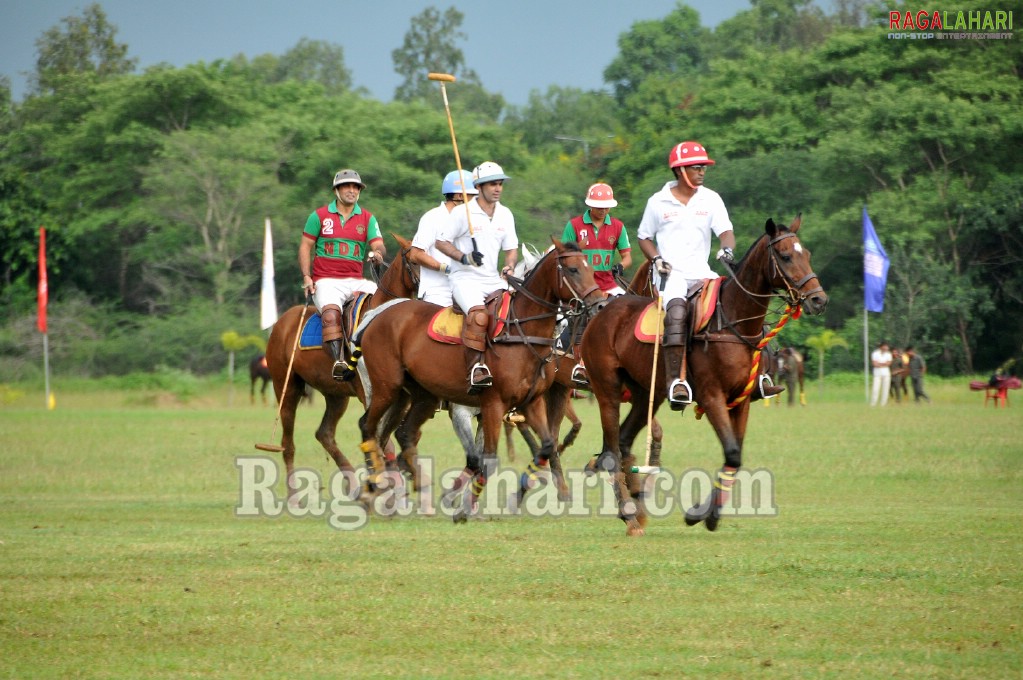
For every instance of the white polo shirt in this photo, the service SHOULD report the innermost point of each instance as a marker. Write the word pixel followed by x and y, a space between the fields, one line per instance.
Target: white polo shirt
pixel 683 234
pixel 493 235
pixel 433 285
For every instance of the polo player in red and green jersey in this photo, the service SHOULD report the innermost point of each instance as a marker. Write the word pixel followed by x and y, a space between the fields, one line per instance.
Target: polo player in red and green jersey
pixel 599 235
pixel 336 239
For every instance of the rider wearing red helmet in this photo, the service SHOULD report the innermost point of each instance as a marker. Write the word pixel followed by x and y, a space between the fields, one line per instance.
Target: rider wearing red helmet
pixel 677 225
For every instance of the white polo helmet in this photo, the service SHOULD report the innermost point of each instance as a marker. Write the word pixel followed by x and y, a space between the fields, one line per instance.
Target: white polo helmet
pixel 487 171
pixel 453 183
pixel 600 195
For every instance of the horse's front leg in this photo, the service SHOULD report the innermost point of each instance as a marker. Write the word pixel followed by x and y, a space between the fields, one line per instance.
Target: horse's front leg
pixel 536 416
pixel 609 459
pixel 730 427
pixel 492 410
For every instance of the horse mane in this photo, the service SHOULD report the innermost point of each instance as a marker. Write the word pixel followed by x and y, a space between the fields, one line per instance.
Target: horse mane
pixel 782 229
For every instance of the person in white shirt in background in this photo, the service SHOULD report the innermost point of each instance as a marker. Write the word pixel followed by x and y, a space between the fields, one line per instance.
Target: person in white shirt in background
pixel 881 360
pixel 435 266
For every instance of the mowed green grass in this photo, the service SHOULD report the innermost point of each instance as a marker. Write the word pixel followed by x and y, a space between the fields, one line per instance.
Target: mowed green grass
pixel 896 552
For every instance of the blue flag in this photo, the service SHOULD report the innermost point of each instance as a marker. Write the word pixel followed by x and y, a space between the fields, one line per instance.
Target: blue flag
pixel 875 267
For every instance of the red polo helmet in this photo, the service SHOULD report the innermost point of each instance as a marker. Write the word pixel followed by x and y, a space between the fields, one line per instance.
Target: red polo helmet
pixel 688 153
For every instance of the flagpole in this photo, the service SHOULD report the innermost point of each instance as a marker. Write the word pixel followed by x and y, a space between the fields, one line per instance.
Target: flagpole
pixel 866 355
pixel 46 365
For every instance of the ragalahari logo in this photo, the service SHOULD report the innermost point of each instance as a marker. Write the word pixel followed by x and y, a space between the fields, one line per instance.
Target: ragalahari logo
pixel 928 24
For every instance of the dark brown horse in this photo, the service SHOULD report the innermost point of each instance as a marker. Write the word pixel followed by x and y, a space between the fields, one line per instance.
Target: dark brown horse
pixel 258 371
pixel 313 367
pixel 720 363
pixel 405 366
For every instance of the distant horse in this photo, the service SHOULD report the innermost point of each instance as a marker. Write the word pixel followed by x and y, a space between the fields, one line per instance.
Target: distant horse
pixel 790 370
pixel 405 366
pixel 258 371
pixel 720 363
pixel 313 367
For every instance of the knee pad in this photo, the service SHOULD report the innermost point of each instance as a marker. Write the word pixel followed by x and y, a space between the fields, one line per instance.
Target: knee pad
pixel 675 323
pixel 331 318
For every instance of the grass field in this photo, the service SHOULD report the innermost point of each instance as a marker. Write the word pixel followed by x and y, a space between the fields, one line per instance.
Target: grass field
pixel 896 551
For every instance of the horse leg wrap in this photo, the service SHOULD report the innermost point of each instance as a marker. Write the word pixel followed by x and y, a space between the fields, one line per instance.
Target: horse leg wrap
pixel 723 484
pixel 372 456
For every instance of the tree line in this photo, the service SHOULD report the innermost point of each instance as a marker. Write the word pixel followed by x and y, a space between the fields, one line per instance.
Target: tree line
pixel 154 186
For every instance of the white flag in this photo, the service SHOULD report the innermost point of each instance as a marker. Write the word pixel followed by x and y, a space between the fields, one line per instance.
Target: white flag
pixel 267 295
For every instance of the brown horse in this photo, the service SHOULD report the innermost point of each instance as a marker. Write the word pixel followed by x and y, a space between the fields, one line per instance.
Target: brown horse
pixel 720 362
pixel 313 367
pixel 405 366
pixel 258 371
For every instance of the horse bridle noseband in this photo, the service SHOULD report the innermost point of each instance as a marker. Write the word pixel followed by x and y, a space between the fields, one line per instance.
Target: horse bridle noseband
pixel 792 288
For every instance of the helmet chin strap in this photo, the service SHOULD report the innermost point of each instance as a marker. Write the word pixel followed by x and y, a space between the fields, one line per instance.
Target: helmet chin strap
pixel 685 177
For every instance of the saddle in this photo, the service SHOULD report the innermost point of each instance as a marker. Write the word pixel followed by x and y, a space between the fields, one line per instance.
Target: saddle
pixel 446 325
pixel 701 301
pixel 351 315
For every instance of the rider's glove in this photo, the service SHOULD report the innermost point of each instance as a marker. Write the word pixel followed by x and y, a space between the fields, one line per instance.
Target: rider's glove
pixel 663 267
pixel 726 255
pixel 475 258
pixel 618 270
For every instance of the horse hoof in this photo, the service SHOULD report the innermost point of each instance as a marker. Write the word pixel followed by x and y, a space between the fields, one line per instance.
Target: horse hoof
pixel 694 516
pixel 712 521
pixel 634 529
pixel 460 517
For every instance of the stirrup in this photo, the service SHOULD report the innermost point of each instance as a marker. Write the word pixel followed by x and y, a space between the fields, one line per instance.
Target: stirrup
pixel 768 390
pixel 341 371
pixel 678 403
pixel 579 374
pixel 485 380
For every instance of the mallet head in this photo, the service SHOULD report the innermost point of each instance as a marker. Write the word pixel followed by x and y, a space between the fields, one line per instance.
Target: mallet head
pixel 443 77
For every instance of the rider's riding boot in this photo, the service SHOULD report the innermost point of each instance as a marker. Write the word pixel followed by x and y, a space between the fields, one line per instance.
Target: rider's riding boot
pixel 765 389
pixel 674 342
pixel 474 337
pixel 332 334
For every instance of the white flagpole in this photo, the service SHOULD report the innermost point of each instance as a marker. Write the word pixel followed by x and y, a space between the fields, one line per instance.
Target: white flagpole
pixel 268 295
pixel 866 357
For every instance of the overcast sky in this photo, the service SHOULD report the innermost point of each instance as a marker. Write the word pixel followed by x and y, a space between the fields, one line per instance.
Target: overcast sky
pixel 514 46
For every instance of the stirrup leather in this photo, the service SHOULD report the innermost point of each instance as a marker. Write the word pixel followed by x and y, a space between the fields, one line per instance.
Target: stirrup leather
pixel 486 380
pixel 671 391
pixel 579 374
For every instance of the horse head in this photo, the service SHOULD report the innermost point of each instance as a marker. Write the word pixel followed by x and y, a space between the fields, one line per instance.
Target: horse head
pixel 790 267
pixel 400 277
pixel 574 276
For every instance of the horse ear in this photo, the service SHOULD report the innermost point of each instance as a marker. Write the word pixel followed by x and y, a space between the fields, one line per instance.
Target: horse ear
pixel 771 228
pixel 794 227
pixel 402 242
pixel 558 245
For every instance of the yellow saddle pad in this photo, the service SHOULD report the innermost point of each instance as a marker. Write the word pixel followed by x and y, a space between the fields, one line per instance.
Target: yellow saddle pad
pixel 648 329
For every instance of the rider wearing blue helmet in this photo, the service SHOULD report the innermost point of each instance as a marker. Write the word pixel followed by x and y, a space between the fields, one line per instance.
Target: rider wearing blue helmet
pixel 434 265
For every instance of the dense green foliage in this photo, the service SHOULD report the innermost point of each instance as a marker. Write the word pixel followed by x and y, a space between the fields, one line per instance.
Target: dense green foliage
pixel 154 186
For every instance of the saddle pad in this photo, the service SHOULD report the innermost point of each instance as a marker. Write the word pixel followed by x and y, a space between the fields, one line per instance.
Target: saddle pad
pixel 446 325
pixel 707 303
pixel 354 309
pixel 312 333
pixel 647 327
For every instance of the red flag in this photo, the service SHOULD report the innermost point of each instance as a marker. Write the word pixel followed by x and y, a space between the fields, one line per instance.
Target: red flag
pixel 43 292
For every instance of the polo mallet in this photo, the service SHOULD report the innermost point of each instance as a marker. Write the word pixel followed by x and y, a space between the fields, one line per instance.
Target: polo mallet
pixel 276 448
pixel 648 469
pixel 448 78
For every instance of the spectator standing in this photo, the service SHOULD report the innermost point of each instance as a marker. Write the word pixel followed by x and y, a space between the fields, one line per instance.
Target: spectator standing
pixel 917 370
pixel 881 360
